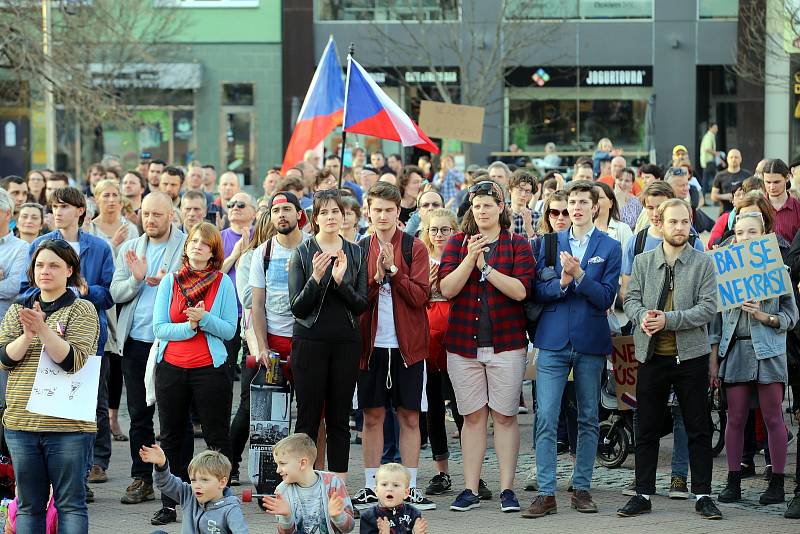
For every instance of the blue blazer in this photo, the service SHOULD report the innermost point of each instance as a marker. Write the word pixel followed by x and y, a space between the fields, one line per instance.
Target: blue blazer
pixel 577 315
pixel 97 268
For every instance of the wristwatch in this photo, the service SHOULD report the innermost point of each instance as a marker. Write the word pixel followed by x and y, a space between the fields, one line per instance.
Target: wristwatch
pixel 393 270
pixel 773 318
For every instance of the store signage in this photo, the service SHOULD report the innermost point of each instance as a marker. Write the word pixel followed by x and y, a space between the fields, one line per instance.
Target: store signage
pixel 148 75
pixel 420 76
pixel 615 77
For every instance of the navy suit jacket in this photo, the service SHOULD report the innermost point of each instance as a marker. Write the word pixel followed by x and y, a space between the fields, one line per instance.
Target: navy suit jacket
pixel 577 315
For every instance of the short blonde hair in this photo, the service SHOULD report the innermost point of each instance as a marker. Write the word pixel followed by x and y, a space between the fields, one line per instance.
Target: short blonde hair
pixel 211 462
pixel 297 446
pixel 102 185
pixel 389 468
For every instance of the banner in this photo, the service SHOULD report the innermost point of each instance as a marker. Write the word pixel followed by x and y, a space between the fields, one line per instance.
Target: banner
pixel 623 358
pixel 752 270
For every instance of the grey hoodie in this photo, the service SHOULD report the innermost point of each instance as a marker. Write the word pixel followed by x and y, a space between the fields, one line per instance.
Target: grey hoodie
pixel 216 517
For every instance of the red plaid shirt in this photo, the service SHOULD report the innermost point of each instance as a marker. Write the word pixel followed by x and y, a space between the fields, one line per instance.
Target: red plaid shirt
pixel 513 257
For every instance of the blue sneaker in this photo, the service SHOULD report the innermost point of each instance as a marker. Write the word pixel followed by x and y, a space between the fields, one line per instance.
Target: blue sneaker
pixel 508 501
pixel 467 500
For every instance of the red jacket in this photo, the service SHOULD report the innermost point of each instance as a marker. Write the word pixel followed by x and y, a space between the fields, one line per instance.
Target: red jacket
pixel 410 294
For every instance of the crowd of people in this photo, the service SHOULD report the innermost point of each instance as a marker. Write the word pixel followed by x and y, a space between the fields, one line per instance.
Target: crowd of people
pixel 393 292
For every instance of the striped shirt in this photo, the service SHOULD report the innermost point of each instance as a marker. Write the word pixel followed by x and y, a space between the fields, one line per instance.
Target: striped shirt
pixel 81 327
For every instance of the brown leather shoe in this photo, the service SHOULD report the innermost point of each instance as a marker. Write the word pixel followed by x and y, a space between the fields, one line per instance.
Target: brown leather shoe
pixel 97 475
pixel 541 506
pixel 582 502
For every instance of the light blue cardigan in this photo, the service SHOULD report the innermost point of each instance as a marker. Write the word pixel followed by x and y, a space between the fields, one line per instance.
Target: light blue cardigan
pixel 218 324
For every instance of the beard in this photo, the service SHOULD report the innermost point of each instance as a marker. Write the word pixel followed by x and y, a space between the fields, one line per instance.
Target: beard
pixel 286 230
pixel 676 240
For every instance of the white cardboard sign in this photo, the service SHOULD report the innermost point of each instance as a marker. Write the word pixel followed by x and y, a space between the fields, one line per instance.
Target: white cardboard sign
pixel 58 393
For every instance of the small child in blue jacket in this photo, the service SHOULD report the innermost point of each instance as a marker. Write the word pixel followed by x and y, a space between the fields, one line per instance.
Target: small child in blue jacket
pixel 392 515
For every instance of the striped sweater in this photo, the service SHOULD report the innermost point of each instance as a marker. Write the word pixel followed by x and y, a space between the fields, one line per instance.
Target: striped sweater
pixel 81 327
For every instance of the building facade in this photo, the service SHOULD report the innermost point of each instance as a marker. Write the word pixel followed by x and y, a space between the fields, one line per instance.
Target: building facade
pixel 649 74
pixel 215 100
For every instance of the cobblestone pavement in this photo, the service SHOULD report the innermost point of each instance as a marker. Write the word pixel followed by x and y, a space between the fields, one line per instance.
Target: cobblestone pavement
pixel 107 515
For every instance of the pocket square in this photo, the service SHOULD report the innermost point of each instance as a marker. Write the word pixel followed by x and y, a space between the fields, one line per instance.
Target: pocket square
pixel 596 259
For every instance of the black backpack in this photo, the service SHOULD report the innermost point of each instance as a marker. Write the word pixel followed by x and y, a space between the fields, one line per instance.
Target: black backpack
pixel 641 240
pixel 533 309
pixel 406 244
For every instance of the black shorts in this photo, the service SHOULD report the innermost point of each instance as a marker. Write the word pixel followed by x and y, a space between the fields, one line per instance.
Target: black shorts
pixel 388 384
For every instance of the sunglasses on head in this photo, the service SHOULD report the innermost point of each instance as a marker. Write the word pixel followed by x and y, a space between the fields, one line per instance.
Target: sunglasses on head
pixel 552 212
pixel 750 215
pixel 58 243
pixel 327 193
pixel 236 204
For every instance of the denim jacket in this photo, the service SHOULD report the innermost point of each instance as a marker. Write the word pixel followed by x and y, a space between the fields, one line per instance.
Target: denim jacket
pixel 768 342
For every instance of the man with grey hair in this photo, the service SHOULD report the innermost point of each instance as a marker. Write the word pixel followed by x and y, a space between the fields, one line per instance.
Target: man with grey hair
pixel 241 214
pixel 500 173
pixel 193 209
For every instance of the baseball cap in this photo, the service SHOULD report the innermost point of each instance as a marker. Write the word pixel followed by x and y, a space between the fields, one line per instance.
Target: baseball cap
pixel 291 198
pixel 678 148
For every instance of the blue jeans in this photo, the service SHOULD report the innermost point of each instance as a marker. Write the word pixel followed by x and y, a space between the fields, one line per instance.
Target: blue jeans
pixel 680 446
pixel 44 458
pixel 552 370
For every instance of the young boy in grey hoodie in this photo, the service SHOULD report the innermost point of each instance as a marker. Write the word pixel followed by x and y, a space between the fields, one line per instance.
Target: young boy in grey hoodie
pixel 208 505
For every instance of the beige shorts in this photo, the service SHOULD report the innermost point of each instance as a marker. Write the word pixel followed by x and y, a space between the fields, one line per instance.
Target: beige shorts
pixel 493 379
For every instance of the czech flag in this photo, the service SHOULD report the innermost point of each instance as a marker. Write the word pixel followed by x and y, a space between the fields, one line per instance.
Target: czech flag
pixel 368 111
pixel 322 109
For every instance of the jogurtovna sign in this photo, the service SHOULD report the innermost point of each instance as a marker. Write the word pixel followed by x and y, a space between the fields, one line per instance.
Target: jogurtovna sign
pixel 752 270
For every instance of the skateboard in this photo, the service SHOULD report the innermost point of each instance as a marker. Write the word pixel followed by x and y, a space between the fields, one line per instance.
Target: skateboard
pixel 270 422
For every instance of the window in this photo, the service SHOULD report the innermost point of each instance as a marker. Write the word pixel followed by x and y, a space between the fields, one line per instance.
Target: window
pixel 579 9
pixel 237 94
pixel 718 9
pixel 387 10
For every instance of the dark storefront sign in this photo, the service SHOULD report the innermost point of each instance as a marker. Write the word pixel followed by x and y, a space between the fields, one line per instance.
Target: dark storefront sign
pixel 394 77
pixel 641 76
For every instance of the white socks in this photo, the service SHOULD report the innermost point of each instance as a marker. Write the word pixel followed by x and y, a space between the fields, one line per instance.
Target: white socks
pixel 413 471
pixel 369 477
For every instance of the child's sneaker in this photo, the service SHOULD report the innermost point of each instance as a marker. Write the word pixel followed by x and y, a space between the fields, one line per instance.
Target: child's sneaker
pixel 365 498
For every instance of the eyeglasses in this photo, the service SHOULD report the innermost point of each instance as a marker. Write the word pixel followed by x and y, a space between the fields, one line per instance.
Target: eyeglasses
pixel 237 204
pixel 554 213
pixel 444 230
pixel 431 205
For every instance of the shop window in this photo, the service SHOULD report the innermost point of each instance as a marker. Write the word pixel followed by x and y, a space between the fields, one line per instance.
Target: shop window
pixel 620 120
pixel 579 9
pixel 718 9
pixel 387 10
pixel 237 94
pixel 239 144
pixel 534 123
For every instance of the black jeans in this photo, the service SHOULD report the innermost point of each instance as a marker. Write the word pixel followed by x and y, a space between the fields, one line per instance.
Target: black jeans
pixel 690 380
pixel 114 380
pixel 101 448
pixel 134 363
pixel 437 432
pixel 240 426
pixel 324 379
pixel 233 346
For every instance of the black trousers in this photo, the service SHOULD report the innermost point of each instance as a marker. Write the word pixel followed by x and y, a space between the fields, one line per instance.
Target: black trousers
pixel 134 363
pixel 233 346
pixel 209 390
pixel 240 425
pixel 690 380
pixel 325 378
pixel 114 380
pixel 437 432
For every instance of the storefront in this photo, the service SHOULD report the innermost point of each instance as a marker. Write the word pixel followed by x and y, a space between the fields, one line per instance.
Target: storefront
pixel 574 107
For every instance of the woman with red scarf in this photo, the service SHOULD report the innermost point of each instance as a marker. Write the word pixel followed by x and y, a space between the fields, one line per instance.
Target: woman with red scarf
pixel 194 313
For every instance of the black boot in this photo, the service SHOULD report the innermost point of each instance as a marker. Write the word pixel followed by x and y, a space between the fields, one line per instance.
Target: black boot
pixel 774 493
pixel 733 491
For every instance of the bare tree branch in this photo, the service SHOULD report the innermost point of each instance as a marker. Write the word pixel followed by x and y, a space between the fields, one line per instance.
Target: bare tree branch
pixel 758 42
pixel 112 33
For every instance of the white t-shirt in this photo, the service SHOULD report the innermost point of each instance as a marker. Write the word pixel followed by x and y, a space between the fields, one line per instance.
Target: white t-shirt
pixel 76 246
pixel 385 334
pixel 280 320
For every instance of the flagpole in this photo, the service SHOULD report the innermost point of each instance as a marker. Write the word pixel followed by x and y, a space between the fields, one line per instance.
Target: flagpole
pixel 350 53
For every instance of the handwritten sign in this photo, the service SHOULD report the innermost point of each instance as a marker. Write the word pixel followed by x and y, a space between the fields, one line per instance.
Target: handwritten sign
pixel 58 393
pixel 623 357
pixel 752 270
pixel 451 121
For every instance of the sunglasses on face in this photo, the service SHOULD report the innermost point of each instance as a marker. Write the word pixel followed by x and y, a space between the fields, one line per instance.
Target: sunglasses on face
pixel 236 204
pixel 554 213
pixel 444 230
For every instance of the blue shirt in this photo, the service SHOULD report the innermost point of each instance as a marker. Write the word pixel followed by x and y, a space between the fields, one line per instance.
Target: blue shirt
pixel 14 264
pixel 649 244
pixel 142 325
pixel 579 247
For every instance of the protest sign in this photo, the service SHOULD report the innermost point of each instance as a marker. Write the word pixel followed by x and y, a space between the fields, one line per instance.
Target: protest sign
pixel 752 270
pixel 58 393
pixel 623 358
pixel 451 121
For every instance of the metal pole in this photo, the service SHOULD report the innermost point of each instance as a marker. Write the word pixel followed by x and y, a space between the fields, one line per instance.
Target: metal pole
pixel 49 100
pixel 344 134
